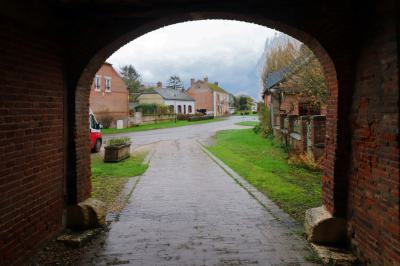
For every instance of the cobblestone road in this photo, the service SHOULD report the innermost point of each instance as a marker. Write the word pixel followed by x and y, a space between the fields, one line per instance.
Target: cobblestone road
pixel 187 211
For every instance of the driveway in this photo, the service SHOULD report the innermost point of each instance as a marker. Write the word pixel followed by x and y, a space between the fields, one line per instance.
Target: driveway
pixel 186 210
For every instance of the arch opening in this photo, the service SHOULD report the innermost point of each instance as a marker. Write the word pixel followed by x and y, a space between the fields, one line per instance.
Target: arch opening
pixel 330 186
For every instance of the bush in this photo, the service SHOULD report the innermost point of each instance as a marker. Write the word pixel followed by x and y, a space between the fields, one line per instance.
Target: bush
pixel 147 108
pixel 265 122
pixel 257 129
pixel 119 141
pixel 107 121
pixel 307 161
pixel 183 116
pixel 163 109
pixel 198 118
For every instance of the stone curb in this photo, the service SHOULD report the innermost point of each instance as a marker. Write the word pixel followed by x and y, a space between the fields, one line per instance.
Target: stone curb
pixel 270 206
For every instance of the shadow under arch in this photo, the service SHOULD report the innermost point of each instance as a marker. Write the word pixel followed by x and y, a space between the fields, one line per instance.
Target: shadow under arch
pixel 78 179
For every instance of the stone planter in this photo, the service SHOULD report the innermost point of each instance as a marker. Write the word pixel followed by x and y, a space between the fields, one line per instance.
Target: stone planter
pixel 116 153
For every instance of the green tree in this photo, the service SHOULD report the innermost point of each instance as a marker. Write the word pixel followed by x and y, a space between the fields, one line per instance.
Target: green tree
pixel 175 83
pixel 243 102
pixel 131 78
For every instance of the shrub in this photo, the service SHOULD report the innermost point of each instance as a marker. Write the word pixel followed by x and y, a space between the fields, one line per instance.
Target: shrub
pixel 107 121
pixel 183 116
pixel 119 141
pixel 162 109
pixel 198 118
pixel 265 122
pixel 257 128
pixel 307 161
pixel 147 108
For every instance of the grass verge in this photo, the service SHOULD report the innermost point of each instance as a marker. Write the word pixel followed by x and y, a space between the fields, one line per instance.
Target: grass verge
pixel 248 123
pixel 165 124
pixel 108 179
pixel 263 163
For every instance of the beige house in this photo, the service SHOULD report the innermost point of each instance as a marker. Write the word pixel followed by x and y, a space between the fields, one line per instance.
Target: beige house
pixel 178 101
pixel 210 98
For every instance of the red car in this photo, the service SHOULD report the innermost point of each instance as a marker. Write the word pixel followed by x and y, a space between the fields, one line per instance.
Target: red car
pixel 96 139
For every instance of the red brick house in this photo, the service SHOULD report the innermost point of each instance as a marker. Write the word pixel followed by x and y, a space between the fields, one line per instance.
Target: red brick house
pixel 109 97
pixel 209 97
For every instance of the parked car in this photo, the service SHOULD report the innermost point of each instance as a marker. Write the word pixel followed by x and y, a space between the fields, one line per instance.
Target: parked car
pixel 96 139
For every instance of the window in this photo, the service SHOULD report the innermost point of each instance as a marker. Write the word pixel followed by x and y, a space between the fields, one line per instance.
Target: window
pixel 108 84
pixel 97 83
pixel 184 109
pixel 189 109
pixel 179 109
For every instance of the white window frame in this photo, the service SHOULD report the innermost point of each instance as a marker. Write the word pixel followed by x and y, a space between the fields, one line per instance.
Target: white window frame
pixel 107 80
pixel 97 78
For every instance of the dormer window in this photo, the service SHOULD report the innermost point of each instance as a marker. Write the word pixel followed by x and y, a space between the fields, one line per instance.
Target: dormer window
pixel 108 84
pixel 97 83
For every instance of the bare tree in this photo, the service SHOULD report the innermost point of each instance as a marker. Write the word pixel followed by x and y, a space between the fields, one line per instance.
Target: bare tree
pixel 304 72
pixel 307 75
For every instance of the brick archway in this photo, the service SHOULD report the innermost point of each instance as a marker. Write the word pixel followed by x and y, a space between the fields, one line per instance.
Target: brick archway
pixel 50 51
pixel 334 188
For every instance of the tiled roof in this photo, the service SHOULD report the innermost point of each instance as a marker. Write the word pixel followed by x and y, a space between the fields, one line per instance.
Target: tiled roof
pixel 171 94
pixel 275 77
pixel 278 76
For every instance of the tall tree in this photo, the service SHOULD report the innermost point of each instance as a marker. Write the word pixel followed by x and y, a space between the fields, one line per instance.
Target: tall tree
pixel 308 77
pixel 131 78
pixel 304 70
pixel 279 57
pixel 243 102
pixel 175 83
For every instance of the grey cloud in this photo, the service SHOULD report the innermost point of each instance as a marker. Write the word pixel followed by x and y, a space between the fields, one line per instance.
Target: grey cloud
pixel 225 51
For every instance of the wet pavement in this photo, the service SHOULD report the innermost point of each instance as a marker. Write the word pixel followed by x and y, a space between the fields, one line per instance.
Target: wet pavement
pixel 186 210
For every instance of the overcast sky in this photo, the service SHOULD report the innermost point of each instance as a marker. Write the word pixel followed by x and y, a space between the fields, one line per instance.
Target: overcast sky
pixel 226 51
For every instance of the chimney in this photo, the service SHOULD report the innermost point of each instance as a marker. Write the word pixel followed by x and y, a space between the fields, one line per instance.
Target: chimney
pixel 159 84
pixel 191 81
pixel 205 79
pixel 216 83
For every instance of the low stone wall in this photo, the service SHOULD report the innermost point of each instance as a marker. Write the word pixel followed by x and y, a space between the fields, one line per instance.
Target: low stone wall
pixel 139 118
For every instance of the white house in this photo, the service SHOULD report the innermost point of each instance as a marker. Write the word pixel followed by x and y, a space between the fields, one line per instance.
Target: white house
pixel 177 100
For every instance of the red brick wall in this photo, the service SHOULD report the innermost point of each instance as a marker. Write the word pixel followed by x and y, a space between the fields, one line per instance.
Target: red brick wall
pixel 373 209
pixel 202 95
pixel 31 140
pixel 112 104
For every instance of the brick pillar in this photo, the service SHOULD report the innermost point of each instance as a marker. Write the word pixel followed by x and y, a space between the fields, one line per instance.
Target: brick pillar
pixel 304 120
pixel 318 135
pixel 292 119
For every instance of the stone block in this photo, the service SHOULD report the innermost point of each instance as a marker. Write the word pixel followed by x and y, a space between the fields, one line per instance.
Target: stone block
pixel 90 213
pixel 322 228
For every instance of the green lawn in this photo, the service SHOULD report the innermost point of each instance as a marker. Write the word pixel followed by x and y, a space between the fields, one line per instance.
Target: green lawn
pixel 248 123
pixel 263 163
pixel 166 124
pixel 108 179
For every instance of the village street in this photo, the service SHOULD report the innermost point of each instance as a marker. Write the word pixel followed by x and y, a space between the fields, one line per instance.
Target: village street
pixel 195 132
pixel 186 210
